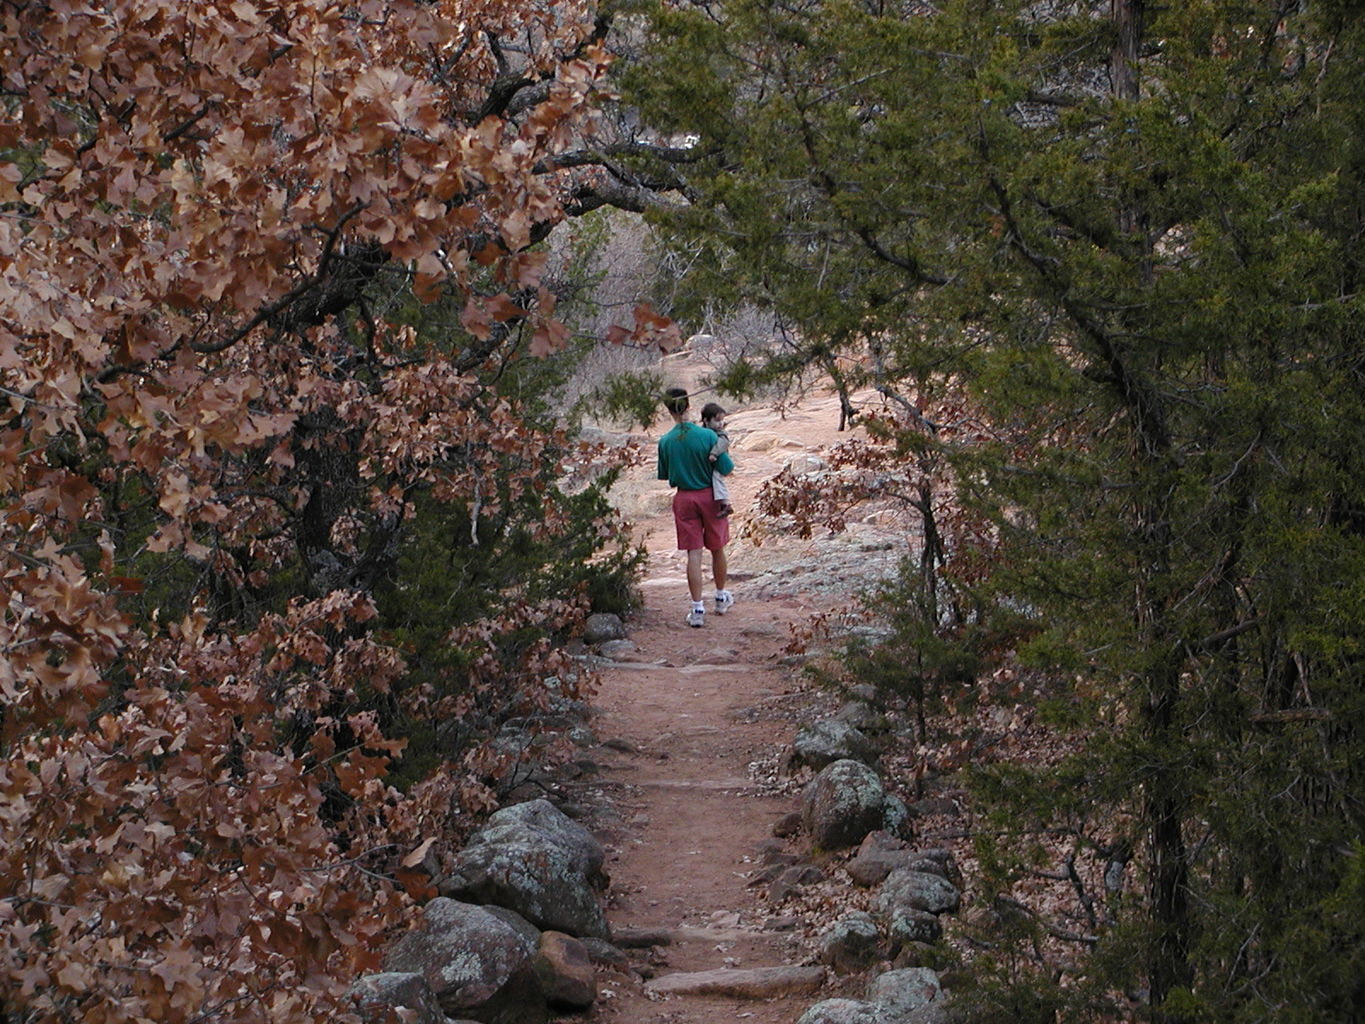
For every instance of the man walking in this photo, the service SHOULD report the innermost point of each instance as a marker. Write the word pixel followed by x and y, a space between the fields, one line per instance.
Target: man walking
pixel 684 461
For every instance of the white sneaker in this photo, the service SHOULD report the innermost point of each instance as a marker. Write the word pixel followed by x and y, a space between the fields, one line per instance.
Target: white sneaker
pixel 696 618
pixel 724 599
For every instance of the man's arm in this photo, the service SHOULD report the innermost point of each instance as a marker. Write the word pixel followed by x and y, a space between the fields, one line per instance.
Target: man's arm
pixel 724 465
pixel 663 461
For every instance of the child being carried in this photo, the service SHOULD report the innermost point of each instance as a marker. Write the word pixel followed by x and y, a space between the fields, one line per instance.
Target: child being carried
pixel 713 418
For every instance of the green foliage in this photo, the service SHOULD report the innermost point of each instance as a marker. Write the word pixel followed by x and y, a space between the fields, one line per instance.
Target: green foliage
pixel 1157 301
pixel 453 572
pixel 628 397
pixel 924 661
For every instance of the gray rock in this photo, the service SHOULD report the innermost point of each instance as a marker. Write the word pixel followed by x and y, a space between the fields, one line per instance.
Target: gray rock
pixel 617 650
pixel 831 740
pixel 899 993
pixel 477 961
pixel 905 890
pixel 851 944
pixel 788 825
pixel 896 817
pixel 879 855
pixel 642 938
pixel 945 865
pixel 376 994
pixel 844 1011
pixel 535 860
pixel 603 953
pixel 843 804
pixel 906 926
pixel 792 878
pixel 603 626
pixel 863 718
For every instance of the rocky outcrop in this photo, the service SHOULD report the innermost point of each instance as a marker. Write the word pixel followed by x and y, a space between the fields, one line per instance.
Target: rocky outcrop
pixel 909 996
pixel 535 860
pixel 478 962
pixel 845 802
pixel 829 740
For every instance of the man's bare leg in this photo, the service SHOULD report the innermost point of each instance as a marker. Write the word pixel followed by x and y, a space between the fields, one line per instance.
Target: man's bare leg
pixel 694 573
pixel 719 568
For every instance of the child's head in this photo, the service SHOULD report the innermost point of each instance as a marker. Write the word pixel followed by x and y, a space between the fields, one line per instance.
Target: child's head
pixel 712 415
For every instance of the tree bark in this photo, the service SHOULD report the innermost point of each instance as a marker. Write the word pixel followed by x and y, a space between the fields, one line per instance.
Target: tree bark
pixel 1128 18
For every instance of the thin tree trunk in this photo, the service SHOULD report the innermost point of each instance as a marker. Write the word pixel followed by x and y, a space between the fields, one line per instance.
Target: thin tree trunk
pixel 1167 966
pixel 1128 18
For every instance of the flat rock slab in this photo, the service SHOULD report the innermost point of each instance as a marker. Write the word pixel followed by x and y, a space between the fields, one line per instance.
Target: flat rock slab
pixel 716 785
pixel 754 983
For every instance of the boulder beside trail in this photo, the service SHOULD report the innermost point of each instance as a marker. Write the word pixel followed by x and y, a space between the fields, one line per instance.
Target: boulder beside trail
pixel 844 1011
pixel 881 853
pixel 535 860
pixel 846 801
pixel 906 926
pixel 829 740
pixel 565 969
pixel 602 627
pixel 477 961
pixel 903 991
pixel 908 890
pixel 852 943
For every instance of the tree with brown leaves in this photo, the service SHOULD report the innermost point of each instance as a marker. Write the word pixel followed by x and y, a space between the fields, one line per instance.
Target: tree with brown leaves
pixel 213 437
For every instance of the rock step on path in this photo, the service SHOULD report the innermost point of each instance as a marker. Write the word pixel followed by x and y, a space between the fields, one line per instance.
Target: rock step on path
pixel 755 983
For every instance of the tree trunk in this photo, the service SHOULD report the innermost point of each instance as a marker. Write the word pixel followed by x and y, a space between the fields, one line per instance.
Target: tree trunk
pixel 1123 72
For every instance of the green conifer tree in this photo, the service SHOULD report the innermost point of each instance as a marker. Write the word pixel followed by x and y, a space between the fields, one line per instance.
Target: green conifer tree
pixel 1135 234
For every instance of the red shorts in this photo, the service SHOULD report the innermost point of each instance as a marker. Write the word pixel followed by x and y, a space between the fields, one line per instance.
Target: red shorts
pixel 694 514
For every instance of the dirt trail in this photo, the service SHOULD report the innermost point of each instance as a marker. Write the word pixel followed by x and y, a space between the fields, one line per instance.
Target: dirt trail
pixel 694 816
pixel 695 723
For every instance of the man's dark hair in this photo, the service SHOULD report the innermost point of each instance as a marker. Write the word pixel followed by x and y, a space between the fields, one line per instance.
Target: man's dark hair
pixel 675 401
pixel 710 411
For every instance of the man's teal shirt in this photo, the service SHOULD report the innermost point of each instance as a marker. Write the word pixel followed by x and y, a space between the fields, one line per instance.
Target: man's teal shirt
pixel 683 457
